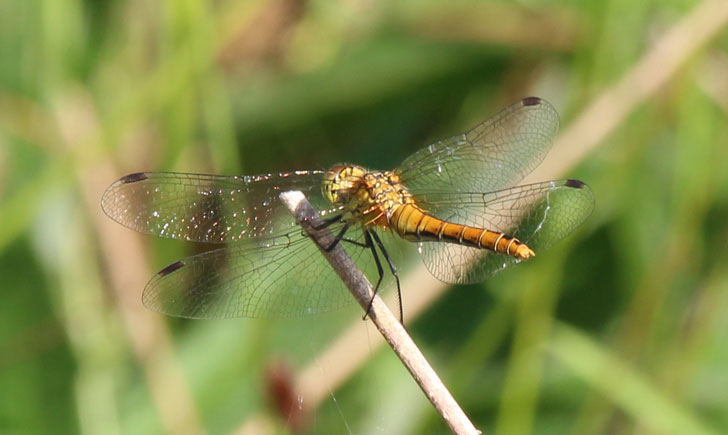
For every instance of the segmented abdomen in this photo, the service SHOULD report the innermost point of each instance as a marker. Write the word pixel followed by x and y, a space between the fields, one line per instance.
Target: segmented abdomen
pixel 412 223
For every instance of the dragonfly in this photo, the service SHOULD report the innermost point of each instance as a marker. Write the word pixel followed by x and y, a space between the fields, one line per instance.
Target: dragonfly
pixel 457 200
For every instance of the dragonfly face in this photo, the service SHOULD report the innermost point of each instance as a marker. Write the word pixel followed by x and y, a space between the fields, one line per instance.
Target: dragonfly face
pixel 457 198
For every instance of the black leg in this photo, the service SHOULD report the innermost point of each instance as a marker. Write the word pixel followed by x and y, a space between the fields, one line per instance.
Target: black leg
pixel 340 238
pixel 337 239
pixel 355 242
pixel 380 270
pixel 325 223
pixel 394 272
pixel 370 237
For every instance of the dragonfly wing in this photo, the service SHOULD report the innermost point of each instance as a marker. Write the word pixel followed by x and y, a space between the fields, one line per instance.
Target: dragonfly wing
pixel 538 214
pixel 284 276
pixel 494 155
pixel 208 208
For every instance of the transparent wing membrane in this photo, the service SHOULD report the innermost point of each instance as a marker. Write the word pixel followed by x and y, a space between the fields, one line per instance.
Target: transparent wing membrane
pixel 208 208
pixel 284 276
pixel 264 265
pixel 537 214
pixel 494 155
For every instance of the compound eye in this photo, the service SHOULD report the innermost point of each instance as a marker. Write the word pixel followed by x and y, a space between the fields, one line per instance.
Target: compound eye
pixel 330 185
pixel 334 172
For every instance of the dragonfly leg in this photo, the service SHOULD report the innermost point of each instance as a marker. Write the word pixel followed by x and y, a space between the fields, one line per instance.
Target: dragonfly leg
pixel 369 239
pixel 380 269
pixel 339 237
pixel 354 242
pixel 325 223
pixel 393 269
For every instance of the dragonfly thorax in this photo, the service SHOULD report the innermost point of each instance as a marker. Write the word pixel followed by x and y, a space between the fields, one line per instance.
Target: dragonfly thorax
pixel 370 197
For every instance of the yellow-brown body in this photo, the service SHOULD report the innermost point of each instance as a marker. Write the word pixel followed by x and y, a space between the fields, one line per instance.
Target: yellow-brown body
pixel 378 198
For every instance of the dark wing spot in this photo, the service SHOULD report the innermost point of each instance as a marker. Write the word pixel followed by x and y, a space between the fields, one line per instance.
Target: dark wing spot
pixel 575 184
pixel 171 268
pixel 133 178
pixel 531 101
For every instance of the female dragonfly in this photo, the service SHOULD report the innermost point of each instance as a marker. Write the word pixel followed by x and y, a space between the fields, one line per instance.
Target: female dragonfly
pixel 455 200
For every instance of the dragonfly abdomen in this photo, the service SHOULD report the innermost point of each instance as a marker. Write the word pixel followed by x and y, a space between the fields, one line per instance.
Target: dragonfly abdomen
pixel 413 223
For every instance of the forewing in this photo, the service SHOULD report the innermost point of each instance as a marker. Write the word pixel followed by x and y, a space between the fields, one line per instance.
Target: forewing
pixel 494 155
pixel 284 276
pixel 538 214
pixel 209 208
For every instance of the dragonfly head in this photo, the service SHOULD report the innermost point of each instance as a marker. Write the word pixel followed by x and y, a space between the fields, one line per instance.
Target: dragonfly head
pixel 341 183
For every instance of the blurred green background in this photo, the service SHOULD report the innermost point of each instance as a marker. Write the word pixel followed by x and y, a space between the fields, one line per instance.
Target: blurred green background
pixel 622 328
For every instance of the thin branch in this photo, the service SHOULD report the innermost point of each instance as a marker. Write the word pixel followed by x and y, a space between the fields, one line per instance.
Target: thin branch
pixel 387 324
